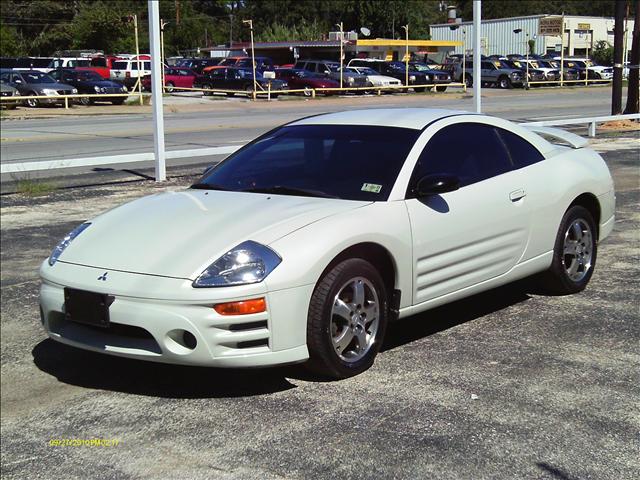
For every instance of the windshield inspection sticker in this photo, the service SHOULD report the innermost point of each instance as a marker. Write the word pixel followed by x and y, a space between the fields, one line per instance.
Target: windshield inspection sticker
pixel 371 187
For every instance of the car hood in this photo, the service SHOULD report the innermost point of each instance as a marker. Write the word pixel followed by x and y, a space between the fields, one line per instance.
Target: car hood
pixel 103 83
pixel 178 234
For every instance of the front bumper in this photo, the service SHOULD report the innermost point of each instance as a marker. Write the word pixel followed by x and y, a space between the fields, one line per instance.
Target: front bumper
pixel 153 329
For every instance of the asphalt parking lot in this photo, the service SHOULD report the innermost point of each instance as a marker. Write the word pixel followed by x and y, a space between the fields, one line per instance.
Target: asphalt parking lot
pixel 507 384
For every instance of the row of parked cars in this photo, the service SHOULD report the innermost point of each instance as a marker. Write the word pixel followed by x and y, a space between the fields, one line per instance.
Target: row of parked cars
pixel 518 70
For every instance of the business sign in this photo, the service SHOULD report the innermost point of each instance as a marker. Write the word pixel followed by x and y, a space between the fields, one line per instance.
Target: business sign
pixel 550 26
pixel 584 26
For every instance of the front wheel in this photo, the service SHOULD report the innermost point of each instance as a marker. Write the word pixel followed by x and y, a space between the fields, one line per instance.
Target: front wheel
pixel 574 253
pixel 169 87
pixel 347 319
pixel 32 102
pixel 468 81
pixel 504 82
pixel 118 101
pixel 419 89
pixel 441 88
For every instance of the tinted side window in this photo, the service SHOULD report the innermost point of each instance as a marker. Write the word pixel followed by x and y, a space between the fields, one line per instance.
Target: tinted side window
pixel 470 151
pixel 522 152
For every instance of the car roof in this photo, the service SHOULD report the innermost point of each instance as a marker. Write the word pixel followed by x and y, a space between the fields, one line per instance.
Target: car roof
pixel 415 118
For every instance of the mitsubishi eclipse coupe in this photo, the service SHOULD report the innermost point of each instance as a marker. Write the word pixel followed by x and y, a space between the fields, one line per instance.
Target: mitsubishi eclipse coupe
pixel 304 244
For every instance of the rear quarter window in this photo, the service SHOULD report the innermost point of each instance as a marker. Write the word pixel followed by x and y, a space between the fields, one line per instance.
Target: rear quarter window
pixel 521 151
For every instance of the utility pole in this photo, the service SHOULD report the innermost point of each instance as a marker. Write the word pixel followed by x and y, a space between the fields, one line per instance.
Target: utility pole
pixel 633 90
pixel 477 14
pixel 406 57
pixel 618 50
pixel 341 27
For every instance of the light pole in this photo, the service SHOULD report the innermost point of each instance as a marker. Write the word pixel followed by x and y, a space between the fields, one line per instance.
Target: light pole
pixel 464 59
pixel 253 56
pixel 406 56
pixel 526 46
pixel 339 25
pixel 134 17
pixel 162 25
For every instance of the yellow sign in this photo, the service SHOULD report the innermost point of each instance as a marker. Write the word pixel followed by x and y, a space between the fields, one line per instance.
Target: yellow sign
pixel 584 26
pixel 550 26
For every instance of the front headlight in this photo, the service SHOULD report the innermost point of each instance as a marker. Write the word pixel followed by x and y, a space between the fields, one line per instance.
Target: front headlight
pixel 427 77
pixel 249 262
pixel 49 91
pixel 350 80
pixel 412 78
pixel 124 89
pixel 64 243
pixel 97 89
pixel 516 74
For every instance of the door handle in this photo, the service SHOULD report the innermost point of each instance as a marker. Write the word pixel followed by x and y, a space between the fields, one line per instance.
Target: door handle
pixel 517 195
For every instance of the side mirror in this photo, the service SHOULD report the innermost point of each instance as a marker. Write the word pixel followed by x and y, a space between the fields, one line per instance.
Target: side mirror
pixel 437 183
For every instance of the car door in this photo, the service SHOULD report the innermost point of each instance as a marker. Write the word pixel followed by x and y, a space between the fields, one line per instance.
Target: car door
pixel 467 236
pixel 487 72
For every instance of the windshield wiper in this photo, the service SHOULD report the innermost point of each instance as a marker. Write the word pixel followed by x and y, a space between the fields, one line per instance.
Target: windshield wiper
pixel 280 189
pixel 208 186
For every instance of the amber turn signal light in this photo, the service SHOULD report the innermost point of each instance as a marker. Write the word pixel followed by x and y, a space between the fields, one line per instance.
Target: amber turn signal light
pixel 244 307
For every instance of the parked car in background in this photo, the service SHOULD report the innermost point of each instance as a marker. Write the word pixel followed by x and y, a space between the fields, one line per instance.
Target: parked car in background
pixel 102 65
pixel 439 77
pixel 40 64
pixel 173 77
pixel 91 83
pixel 375 78
pixel 239 79
pixel 587 68
pixel 34 83
pixel 198 64
pixel 6 92
pixel 568 73
pixel 69 62
pixel 392 69
pixel 534 74
pixel 330 69
pixel 302 79
pixel 127 71
pixel 262 63
pixel 551 73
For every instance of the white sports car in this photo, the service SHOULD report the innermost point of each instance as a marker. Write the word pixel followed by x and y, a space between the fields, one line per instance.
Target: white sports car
pixel 305 243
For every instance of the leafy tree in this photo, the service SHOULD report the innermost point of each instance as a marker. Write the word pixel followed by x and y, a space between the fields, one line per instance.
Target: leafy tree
pixel 11 44
pixel 602 53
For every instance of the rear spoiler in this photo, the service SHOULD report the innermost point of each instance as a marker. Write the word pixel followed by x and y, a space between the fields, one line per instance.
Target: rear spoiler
pixel 575 141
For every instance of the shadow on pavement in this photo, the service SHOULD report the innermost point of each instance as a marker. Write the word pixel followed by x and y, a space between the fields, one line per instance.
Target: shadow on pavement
pixel 94 370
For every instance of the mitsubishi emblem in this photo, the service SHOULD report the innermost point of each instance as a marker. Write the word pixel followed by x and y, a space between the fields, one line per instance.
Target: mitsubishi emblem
pixel 103 277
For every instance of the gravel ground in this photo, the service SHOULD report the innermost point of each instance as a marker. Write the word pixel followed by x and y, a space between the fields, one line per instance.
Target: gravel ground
pixel 506 384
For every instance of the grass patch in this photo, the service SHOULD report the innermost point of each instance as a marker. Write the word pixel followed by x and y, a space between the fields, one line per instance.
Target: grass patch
pixel 132 102
pixel 33 188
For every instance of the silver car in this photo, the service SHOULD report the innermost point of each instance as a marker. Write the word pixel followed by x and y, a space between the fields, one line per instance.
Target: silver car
pixel 34 83
pixel 7 91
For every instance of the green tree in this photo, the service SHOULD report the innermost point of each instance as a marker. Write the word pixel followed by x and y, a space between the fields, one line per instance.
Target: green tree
pixel 602 53
pixel 11 44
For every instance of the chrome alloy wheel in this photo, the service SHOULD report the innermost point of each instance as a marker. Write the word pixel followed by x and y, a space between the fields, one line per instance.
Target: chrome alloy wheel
pixel 355 317
pixel 578 250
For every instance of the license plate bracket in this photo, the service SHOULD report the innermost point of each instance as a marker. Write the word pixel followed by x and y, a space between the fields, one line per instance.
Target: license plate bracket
pixel 89 308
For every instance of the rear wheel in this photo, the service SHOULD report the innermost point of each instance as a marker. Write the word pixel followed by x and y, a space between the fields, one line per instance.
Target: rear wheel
pixel 205 88
pixel 441 88
pixel 85 101
pixel 347 319
pixel 419 89
pixel 468 81
pixel 574 253
pixel 169 87
pixel 307 92
pixel 249 91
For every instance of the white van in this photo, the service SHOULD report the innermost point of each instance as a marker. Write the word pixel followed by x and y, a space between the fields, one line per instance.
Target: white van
pixel 126 71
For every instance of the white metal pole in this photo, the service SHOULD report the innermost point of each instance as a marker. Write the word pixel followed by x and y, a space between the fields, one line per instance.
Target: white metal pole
pixel 477 7
pixel 156 91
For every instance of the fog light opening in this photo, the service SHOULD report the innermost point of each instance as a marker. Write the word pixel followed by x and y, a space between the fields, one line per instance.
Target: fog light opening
pixel 180 342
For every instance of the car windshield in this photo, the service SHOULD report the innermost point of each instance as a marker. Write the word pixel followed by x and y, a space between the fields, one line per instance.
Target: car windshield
pixel 420 67
pixel 366 71
pixel 228 62
pixel 336 161
pixel 37 77
pixel 334 67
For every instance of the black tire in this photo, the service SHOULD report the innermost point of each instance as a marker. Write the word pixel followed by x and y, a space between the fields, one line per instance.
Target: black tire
pixel 504 82
pixel 321 323
pixel 118 101
pixel 419 89
pixel 32 102
pixel 206 87
pixel 85 101
pixel 557 279
pixel 441 88
pixel 468 80
pixel 169 87
pixel 274 95
pixel 307 92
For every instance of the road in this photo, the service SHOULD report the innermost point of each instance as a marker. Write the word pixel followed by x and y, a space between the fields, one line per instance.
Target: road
pixel 508 384
pixel 221 123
